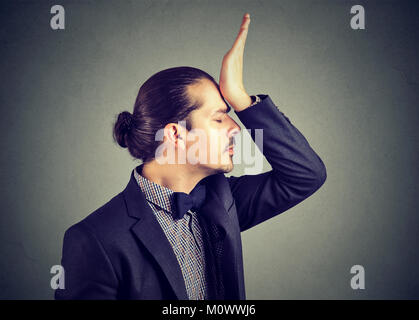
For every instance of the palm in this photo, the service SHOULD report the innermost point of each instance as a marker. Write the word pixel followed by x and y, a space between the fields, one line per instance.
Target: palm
pixel 231 75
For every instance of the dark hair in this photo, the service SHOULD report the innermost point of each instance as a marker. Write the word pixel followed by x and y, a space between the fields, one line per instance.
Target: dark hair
pixel 162 99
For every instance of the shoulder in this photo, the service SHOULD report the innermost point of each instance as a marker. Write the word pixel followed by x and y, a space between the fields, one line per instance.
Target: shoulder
pixel 105 221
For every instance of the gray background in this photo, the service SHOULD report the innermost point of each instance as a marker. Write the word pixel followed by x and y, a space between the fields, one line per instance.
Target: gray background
pixel 353 94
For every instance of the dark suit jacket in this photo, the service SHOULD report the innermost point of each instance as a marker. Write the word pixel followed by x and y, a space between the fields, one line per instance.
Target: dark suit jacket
pixel 120 251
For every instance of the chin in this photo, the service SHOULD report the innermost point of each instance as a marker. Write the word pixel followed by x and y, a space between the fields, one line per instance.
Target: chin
pixel 226 168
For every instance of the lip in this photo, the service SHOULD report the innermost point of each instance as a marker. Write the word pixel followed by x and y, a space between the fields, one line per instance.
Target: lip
pixel 230 150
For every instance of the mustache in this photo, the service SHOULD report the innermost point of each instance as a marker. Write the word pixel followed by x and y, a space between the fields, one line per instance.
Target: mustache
pixel 231 144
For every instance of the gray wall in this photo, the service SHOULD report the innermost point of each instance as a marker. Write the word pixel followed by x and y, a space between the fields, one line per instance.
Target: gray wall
pixel 353 94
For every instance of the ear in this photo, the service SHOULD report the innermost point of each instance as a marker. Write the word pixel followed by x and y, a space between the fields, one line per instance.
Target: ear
pixel 176 134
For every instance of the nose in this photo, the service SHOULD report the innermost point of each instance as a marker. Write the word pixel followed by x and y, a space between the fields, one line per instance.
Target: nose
pixel 234 128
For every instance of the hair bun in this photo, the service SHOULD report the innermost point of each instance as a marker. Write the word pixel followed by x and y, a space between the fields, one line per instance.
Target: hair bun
pixel 126 120
pixel 122 127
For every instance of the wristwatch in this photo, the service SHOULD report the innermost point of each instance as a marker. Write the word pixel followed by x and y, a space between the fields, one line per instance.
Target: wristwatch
pixel 255 100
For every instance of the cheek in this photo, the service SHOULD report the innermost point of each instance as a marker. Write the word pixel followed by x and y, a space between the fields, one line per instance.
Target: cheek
pixel 201 138
pixel 217 139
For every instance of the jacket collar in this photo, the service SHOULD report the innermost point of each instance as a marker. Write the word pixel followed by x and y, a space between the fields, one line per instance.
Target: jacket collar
pixel 157 194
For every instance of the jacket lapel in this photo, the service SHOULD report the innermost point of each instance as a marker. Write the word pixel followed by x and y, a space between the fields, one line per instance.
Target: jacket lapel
pixel 215 211
pixel 148 230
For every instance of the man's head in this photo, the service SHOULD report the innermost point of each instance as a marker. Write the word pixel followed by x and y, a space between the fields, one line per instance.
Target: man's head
pixel 179 116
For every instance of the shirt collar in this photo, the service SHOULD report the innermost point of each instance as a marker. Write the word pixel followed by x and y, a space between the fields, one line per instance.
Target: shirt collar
pixel 155 193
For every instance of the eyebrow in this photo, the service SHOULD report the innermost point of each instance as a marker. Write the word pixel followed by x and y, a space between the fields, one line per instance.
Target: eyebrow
pixel 222 110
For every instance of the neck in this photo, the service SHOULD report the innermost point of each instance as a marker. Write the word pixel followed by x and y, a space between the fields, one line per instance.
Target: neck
pixel 177 177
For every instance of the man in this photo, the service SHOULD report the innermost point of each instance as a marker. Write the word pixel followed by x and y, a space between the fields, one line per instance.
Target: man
pixel 174 231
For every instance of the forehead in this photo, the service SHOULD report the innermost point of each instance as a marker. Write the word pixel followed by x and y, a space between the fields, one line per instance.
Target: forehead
pixel 209 96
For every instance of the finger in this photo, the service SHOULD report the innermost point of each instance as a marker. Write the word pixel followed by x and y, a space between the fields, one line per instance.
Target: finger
pixel 241 37
pixel 244 27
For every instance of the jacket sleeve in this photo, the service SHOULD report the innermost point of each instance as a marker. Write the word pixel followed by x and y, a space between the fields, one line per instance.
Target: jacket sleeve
pixel 88 273
pixel 297 171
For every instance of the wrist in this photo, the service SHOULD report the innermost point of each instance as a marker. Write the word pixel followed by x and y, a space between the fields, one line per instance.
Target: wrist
pixel 242 102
